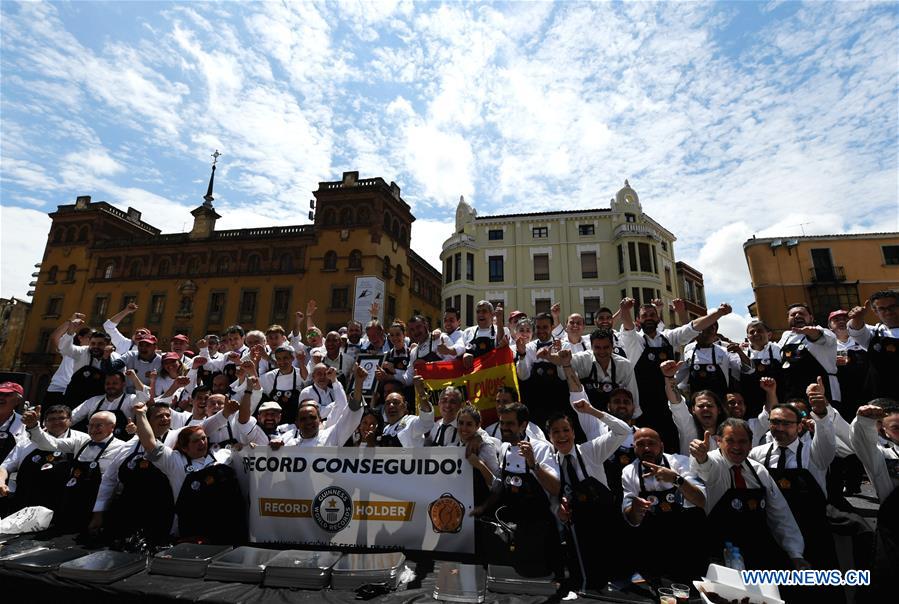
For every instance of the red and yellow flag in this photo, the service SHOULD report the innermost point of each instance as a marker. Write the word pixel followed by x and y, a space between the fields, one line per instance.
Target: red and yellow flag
pixel 479 385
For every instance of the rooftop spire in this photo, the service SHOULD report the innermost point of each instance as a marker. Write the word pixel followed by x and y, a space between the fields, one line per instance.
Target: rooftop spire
pixel 208 197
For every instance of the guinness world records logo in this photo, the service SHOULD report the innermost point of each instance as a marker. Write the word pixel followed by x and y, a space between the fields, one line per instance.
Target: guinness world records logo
pixel 332 509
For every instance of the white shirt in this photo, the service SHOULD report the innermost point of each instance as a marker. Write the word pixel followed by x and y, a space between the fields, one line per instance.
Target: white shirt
pixel 718 479
pixel 411 429
pixel 769 351
pixel 514 461
pixel 728 363
pixel 275 380
pixel 816 455
pixel 630 480
pixel 215 427
pixel 175 465
pixel 584 362
pixel 73 444
pixel 327 399
pixel 525 364
pixel 14 427
pixel 450 434
pixel 85 410
pixel 121 343
pixel 62 376
pixel 474 332
pixel 334 435
pixel 634 341
pixel 24 448
pixel 596 451
pixel 824 349
pixel 80 355
pixel 686 427
pixel 532 432
pixel 863 336
pixel 875 455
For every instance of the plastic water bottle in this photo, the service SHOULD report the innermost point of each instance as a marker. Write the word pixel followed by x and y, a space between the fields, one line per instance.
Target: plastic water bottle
pixel 728 554
pixel 737 560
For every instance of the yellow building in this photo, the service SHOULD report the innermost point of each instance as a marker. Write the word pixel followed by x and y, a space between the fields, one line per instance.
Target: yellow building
pixel 824 271
pixel 582 259
pixel 99 258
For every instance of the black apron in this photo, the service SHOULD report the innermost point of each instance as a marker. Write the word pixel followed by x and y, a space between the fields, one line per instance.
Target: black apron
pixel 80 492
pixel 482 344
pixel 389 440
pixel 614 466
pixel 7 440
pixel 87 382
pixel 145 503
pixel 801 368
pixel 851 377
pixel 740 517
pixel 883 359
pixel 593 522
pixel 432 356
pixel 536 538
pixel 288 399
pixel 228 442
pixel 545 395
pixel 707 377
pixel 210 505
pixel 598 391
pixel 319 398
pixel 619 350
pixel 753 395
pixel 121 420
pixel 41 477
pixel 809 506
pixel 338 365
pixel 668 521
pixel 651 386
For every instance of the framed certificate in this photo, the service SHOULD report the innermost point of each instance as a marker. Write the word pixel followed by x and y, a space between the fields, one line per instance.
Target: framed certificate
pixel 369 362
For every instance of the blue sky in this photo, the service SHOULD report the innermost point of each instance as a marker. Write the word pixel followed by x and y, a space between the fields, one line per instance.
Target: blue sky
pixel 728 119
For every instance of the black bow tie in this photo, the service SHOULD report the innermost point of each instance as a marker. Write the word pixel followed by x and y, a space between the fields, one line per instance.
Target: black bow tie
pixel 544 344
pixel 95 444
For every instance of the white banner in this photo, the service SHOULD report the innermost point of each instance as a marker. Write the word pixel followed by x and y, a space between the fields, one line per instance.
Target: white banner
pixel 415 499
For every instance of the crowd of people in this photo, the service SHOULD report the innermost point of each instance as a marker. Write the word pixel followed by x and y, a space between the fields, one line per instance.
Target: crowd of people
pixel 640 451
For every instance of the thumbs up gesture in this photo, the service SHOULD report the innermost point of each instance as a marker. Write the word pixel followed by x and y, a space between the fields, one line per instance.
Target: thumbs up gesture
pixel 31 417
pixel 817 397
pixel 699 449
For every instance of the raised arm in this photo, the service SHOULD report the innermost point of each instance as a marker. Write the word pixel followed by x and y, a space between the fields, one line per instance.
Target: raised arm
pixel 703 322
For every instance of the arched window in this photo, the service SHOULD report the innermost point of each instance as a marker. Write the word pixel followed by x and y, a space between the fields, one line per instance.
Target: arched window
pixel 58 235
pixel 395 229
pixel 164 267
pixel 363 215
pixel 71 233
pixel 51 274
pixel 355 259
pixel 346 217
pixel 399 274
pixel 330 260
pixel 109 270
pixel 387 222
pixel 386 270
pixel 253 263
pixel 82 233
pixel 286 263
pixel 403 235
pixel 134 268
pixel 330 217
pixel 70 274
pixel 222 265
pixel 193 266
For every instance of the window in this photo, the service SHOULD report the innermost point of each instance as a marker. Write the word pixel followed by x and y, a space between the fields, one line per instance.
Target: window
pixel 44 341
pixel 540 232
pixel 469 267
pixel 655 261
pixel 391 308
pixel 630 217
pixel 385 270
pixel 667 278
pixel 280 304
pixel 253 263
pixel 355 261
pixel 82 233
pixel 700 296
pixel 495 234
pixel 635 294
pixel 58 235
pixel 362 216
pixel 448 272
pixel 457 270
pixel 645 258
pixel 346 217
pixel 457 301
pixel 340 298
pixel 620 259
pixel 664 246
pixel 101 305
pixel 416 285
pixel 588 265
pixel 399 274
pixel 891 254
pixel 495 267
pixel 51 274
pixel 541 267
pixel 624 295
pixel 542 305
pixel 223 264
pixel 447 303
pixel 134 269
pixel 247 306
pixel 586 229
pixel 591 306
pixel 330 262
pixel 825 298
pixel 193 266
pixel 126 300
pixel 216 307
pixel 330 218
pixel 70 273
pixel 157 307
pixel 632 255
pixel 110 268
pixel 469 310
pixel 54 306
pixel 688 290
pixel 648 295
pixel 163 269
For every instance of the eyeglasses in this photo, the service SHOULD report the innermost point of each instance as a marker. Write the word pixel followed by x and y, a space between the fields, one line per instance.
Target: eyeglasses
pixel 781 422
pixel 890 308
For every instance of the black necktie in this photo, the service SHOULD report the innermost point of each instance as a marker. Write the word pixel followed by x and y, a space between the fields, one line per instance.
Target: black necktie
pixel 781 458
pixel 571 471
pixel 440 432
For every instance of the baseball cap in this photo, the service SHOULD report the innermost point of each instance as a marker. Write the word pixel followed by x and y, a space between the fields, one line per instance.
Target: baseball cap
pixel 12 387
pixel 517 314
pixel 150 338
pixel 284 348
pixel 269 406
pixel 837 313
pixel 181 338
pixel 171 356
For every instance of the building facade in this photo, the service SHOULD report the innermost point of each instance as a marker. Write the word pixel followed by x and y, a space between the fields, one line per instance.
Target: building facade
pixel 691 289
pixel 824 271
pixel 99 258
pixel 582 259
pixel 13 316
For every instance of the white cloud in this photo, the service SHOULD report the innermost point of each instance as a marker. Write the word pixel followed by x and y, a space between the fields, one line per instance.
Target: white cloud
pixel 22 246
pixel 733 326
pixel 428 237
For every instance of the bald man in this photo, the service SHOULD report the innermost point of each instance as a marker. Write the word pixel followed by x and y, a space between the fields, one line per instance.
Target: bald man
pixel 665 500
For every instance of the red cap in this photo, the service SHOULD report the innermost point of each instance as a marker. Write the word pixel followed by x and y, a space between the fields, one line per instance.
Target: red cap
pixel 150 338
pixel 836 313
pixel 181 338
pixel 171 356
pixel 7 387
pixel 516 314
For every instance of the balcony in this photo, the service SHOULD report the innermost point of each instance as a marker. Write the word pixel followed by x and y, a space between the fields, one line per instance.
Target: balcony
pixel 827 274
pixel 632 229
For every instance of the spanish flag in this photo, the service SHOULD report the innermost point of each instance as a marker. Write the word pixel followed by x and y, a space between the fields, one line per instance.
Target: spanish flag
pixel 490 371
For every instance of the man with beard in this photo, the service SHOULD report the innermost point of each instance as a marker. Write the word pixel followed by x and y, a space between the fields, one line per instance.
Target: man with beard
pixel 601 371
pixel 87 378
pixel 401 429
pixel 604 319
pixel 143 360
pixel 648 348
pixel 743 504
pixel 115 400
pixel 767 361
pixel 336 358
pixel 451 323
pixel 711 366
pixel 666 502
pixel 121 343
pixel 809 352
pixel 882 342
pixel 352 344
pixel 540 379
pixel 284 384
